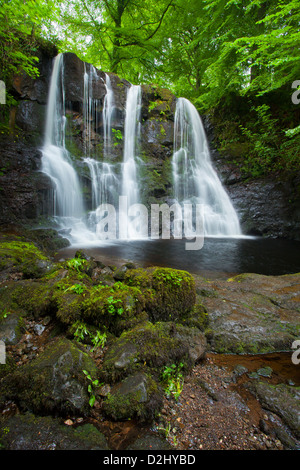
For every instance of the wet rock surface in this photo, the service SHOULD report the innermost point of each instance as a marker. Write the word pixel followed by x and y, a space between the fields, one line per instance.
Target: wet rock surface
pixel 252 313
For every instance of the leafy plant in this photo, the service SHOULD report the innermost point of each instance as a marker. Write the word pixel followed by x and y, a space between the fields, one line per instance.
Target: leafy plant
pixel 76 263
pixel 77 288
pixel 172 377
pixel 4 314
pixel 94 383
pixel 117 135
pixel 98 339
pixel 81 332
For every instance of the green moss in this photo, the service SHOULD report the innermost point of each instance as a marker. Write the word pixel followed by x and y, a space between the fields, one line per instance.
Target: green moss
pixel 53 381
pixel 23 257
pixel 34 297
pixel 116 307
pixel 170 294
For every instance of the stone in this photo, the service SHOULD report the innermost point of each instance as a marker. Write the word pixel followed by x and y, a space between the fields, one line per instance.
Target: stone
pixel 53 382
pixel 281 399
pixel 252 313
pixel 11 328
pixel 138 396
pixel 29 432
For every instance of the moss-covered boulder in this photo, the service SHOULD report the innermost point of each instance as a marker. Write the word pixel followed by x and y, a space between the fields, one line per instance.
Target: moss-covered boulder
pixel 23 258
pixel 148 347
pixel 11 328
pixel 29 432
pixel 53 382
pixel 117 308
pixel 32 297
pixel 136 397
pixel 151 347
pixel 170 293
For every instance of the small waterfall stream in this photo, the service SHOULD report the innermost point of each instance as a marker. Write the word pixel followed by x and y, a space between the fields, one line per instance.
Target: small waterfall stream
pixel 130 185
pixel 56 161
pixel 195 180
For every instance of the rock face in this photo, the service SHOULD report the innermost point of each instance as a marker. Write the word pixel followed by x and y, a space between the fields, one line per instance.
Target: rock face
pixel 252 313
pixel 265 207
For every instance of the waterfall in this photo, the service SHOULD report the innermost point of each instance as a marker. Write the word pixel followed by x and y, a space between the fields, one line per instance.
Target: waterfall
pixel 130 188
pixel 108 108
pixel 195 180
pixel 117 184
pixel 56 162
pixel 105 183
pixel 91 107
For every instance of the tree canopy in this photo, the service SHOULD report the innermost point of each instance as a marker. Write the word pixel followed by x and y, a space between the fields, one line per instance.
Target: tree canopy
pixel 206 50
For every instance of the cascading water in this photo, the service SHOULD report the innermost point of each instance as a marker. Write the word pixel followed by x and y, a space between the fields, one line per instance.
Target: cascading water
pixel 130 187
pixel 104 182
pixel 195 180
pixel 108 109
pixel 91 107
pixel 56 163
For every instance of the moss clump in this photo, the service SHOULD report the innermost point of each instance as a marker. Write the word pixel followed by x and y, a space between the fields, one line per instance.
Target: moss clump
pixel 24 257
pixel 170 293
pixel 34 297
pixel 116 307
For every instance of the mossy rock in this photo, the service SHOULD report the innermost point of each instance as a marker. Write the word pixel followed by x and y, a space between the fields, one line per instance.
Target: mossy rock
pixel 117 308
pixel 11 328
pixel 35 297
pixel 29 432
pixel 53 382
pixel 152 347
pixel 136 397
pixel 25 258
pixel 8 367
pixel 170 293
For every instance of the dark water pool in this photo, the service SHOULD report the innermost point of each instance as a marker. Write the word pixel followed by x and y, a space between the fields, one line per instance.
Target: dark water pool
pixel 256 255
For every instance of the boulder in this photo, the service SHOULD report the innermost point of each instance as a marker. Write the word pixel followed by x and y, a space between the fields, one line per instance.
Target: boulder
pixel 252 313
pixel 282 399
pixel 53 382
pixel 136 397
pixel 29 432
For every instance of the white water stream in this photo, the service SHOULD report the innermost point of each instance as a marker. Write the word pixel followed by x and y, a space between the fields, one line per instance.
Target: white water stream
pixel 195 180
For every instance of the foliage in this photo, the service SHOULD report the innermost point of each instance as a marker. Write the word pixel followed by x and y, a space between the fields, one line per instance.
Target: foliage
pixel 209 51
pixel 23 28
pixel 172 377
pixel 117 136
pixel 76 263
pixel 93 385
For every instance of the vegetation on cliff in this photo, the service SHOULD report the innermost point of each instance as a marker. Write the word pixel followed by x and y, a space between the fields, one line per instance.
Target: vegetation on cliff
pixel 237 61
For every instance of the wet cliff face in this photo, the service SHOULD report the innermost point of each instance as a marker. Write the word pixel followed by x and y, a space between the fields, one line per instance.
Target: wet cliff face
pixel 265 207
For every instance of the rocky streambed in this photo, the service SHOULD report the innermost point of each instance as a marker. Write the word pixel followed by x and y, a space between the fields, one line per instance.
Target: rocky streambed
pixel 102 356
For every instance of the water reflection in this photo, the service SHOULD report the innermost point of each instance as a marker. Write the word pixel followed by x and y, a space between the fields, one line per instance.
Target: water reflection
pixel 257 255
